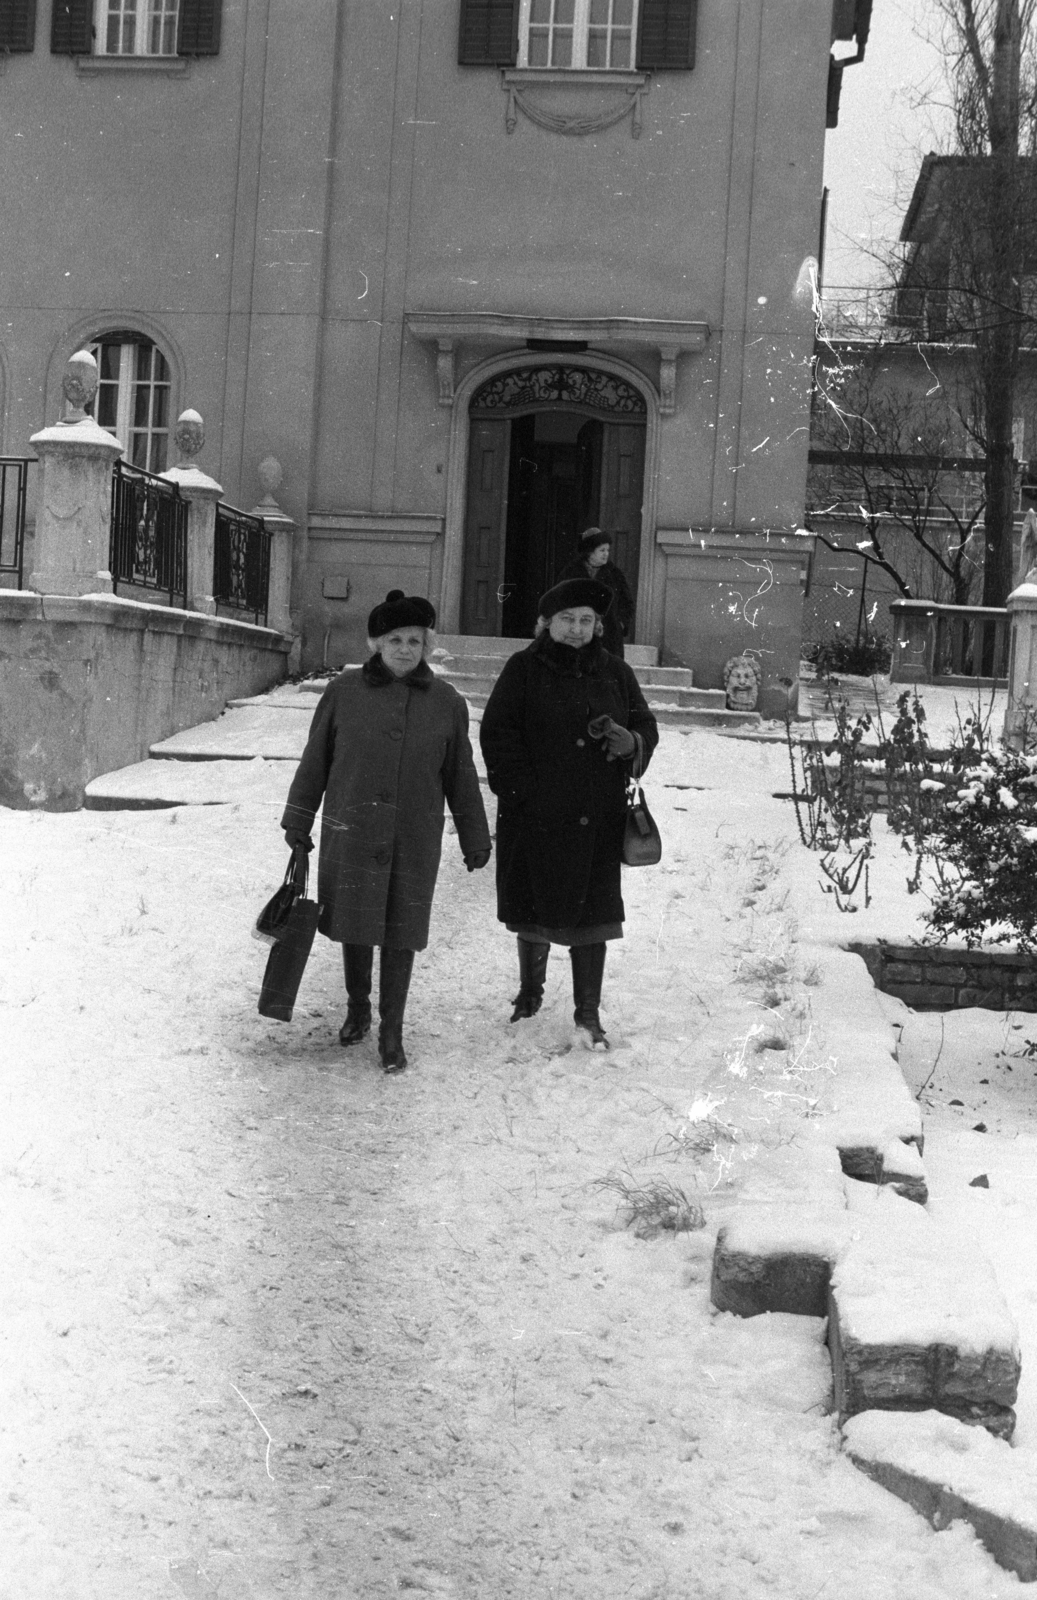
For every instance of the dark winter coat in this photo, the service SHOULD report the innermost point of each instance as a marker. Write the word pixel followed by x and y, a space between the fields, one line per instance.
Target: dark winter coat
pixel 384 752
pixel 619 618
pixel 561 804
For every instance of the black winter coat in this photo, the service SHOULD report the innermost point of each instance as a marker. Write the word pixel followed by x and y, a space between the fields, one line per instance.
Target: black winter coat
pixel 561 804
pixel 619 618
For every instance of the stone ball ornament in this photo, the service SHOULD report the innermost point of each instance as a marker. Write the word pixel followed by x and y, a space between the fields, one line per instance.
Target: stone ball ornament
pixel 742 678
pixel 189 435
pixel 79 384
pixel 270 474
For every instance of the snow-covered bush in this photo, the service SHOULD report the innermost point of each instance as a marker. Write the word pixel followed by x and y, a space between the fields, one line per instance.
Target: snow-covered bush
pixel 984 852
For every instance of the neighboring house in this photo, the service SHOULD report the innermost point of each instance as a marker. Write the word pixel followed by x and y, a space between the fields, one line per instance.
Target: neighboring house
pixel 477 272
pixel 896 436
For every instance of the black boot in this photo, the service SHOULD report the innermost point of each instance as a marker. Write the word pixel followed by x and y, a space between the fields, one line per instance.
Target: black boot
pixel 588 962
pixel 393 984
pixel 532 972
pixel 357 959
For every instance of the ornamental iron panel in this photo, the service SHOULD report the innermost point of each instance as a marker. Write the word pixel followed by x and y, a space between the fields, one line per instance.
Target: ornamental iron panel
pixel 149 534
pixel 14 479
pixel 241 572
pixel 529 388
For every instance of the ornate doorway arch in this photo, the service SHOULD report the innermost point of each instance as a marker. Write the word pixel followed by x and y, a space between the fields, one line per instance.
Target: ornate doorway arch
pixel 595 402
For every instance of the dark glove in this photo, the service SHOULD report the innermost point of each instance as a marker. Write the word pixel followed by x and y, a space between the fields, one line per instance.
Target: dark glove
pixel 619 742
pixel 294 837
pixel 477 860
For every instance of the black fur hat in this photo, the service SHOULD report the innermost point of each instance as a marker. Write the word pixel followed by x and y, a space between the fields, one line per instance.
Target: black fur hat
pixel 399 610
pixel 575 592
pixel 590 539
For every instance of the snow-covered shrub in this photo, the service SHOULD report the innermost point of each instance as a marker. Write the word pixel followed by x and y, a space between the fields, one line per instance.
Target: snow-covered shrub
pixel 984 851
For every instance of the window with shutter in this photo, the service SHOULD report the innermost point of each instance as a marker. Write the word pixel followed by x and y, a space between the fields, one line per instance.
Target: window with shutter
pixel 71 28
pixel 666 36
pixel 488 34
pixel 17 24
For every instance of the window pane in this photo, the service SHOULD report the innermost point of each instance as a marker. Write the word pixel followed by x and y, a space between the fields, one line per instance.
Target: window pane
pixel 109 363
pixel 537 55
pixel 620 49
pixel 623 13
pixel 597 48
pixel 599 12
pixel 106 405
pixel 564 12
pixel 562 48
pixel 540 11
pixel 139 450
pixel 160 408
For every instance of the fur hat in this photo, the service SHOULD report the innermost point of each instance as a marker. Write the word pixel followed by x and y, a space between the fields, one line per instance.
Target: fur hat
pixel 590 539
pixel 575 592
pixel 399 610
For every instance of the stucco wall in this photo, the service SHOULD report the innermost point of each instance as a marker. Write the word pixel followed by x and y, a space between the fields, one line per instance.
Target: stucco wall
pixel 88 684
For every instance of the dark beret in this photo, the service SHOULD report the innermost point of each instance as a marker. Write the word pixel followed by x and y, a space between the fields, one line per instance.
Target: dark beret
pixel 399 610
pixel 575 592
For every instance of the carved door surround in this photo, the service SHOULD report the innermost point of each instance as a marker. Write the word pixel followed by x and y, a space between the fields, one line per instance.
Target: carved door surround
pixel 594 364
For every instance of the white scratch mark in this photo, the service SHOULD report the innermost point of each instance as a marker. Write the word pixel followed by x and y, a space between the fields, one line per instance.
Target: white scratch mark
pixel 269 1441
pixel 367 284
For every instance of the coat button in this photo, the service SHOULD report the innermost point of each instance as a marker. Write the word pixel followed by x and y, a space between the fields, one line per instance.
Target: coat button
pixel 580 743
pixel 385 796
pixel 382 857
pixel 396 733
pixel 584 821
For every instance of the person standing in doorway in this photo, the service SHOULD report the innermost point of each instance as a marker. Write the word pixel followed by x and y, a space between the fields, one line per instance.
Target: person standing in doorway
pixel 387 745
pixel 593 559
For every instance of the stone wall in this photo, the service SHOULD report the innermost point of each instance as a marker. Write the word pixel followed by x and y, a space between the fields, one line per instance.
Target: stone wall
pixel 88 683
pixel 944 978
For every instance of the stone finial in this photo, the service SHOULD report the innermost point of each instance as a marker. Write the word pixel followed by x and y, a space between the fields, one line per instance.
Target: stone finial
pixel 271 475
pixel 189 435
pixel 79 384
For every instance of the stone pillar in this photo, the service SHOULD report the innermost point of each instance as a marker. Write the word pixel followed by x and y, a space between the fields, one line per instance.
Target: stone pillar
pixel 74 519
pixel 1021 713
pixel 282 531
pixel 201 493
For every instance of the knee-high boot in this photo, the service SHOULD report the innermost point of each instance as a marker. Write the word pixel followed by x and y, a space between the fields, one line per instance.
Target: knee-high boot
pixel 588 964
pixel 393 985
pixel 357 959
pixel 532 960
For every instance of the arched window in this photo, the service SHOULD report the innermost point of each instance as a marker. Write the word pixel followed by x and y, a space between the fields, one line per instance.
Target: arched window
pixel 133 396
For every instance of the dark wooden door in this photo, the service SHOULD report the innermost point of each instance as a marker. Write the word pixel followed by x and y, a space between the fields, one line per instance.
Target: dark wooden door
pixel 622 493
pixel 485 520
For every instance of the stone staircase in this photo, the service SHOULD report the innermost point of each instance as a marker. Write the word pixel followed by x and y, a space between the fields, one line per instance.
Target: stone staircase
pixel 471 664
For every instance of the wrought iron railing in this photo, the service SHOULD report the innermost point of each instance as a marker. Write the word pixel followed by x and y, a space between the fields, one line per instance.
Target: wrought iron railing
pixel 14 482
pixel 949 644
pixel 241 570
pixel 149 534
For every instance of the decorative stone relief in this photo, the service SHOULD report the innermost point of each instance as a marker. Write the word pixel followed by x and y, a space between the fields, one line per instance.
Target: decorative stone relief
pixel 742 683
pixel 528 92
pixel 79 384
pixel 551 385
pixel 189 437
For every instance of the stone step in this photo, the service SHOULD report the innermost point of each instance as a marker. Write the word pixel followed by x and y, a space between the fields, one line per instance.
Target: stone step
pixel 950 1472
pixel 458 644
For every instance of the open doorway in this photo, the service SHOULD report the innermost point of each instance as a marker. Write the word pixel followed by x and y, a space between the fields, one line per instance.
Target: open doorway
pixel 536 479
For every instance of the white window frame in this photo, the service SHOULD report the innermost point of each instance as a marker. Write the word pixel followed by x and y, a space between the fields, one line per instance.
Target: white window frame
pixel 580 36
pixel 127 384
pixel 141 27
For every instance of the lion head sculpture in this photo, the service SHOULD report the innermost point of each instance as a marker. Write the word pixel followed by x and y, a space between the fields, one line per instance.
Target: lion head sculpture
pixel 742 677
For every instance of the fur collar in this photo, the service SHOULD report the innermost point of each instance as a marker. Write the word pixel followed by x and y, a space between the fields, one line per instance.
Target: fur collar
pixel 585 662
pixel 377 674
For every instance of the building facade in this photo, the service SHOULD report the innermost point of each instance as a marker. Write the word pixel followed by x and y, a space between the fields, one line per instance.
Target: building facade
pixel 478 273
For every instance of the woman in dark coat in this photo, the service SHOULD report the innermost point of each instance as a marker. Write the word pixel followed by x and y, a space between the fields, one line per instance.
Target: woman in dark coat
pixel 594 560
pixel 387 743
pixel 561 728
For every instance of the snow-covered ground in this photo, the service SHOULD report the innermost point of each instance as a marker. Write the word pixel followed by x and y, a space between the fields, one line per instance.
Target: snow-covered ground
pixel 277 1325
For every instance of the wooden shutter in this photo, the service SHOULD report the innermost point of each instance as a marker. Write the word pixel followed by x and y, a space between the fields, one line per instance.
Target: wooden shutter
pixel 485 516
pixel 489 33
pixel 666 35
pixel 17 24
pixel 72 28
pixel 198 28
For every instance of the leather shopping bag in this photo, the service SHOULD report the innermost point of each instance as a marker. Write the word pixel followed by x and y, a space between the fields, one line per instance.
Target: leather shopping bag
pixel 287 960
pixel 642 842
pixel 272 921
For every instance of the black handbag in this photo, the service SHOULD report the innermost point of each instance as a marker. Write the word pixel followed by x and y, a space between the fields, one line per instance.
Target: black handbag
pixel 273 919
pixel 293 941
pixel 642 841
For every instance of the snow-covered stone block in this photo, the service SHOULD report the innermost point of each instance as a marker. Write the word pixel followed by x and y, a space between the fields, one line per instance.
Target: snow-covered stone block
pixel 948 1471
pixel 916 1319
pixel 778 1258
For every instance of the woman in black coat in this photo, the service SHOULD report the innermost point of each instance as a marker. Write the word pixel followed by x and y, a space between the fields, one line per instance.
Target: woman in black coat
pixel 565 721
pixel 594 560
